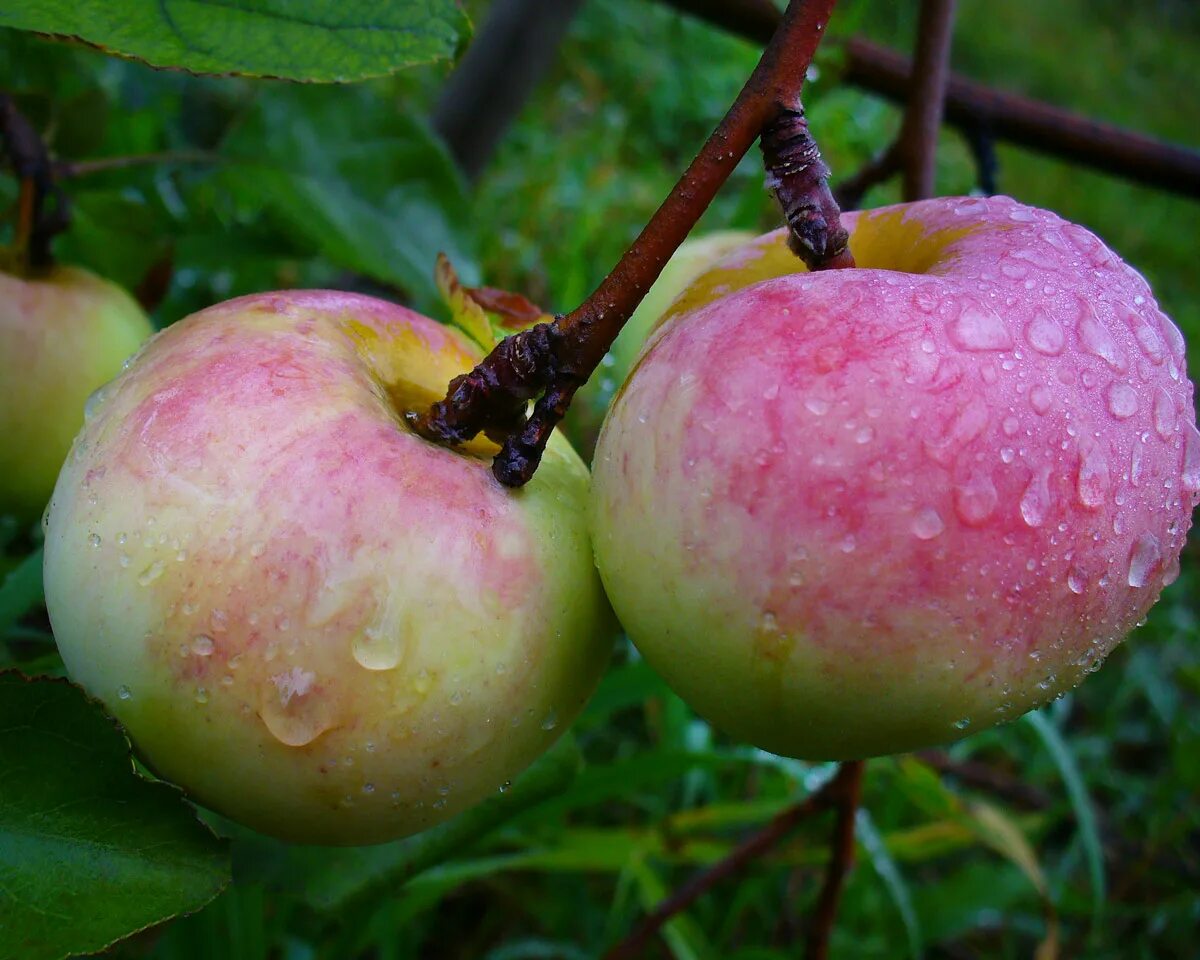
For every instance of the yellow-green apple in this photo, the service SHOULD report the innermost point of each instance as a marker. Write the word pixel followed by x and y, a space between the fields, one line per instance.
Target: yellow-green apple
pixel 314 621
pixel 692 258
pixel 864 511
pixel 63 333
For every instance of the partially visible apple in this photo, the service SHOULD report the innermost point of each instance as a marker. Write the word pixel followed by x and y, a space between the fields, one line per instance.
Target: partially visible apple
pixel 694 256
pixel 314 621
pixel 864 511
pixel 63 333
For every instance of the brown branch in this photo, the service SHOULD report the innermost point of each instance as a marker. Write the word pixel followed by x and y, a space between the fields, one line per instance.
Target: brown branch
pixel 81 168
pixel 37 223
pixel 982 776
pixel 840 861
pixel 555 359
pixel 923 112
pixel 840 793
pixel 970 106
pixel 875 171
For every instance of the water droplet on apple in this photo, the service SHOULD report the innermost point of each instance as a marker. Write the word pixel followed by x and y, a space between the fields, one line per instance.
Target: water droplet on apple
pixel 1190 477
pixel 378 647
pixel 979 328
pixel 975 499
pixel 505 786
pixel 962 724
pixel 123 692
pixel 1045 335
pixel 293 709
pixel 927 524
pixel 816 406
pixel 150 574
pixel 1122 401
pixel 1076 580
pixel 848 543
pixel 1164 414
pixel 94 539
pixel 1095 338
pixel 201 695
pixel 1040 398
pixel 1035 503
pixel 203 645
pixel 1143 558
pixel 550 721
pixel 258 548
pixel 1092 480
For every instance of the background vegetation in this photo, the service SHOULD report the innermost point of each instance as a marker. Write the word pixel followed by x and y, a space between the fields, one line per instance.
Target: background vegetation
pixel 1074 831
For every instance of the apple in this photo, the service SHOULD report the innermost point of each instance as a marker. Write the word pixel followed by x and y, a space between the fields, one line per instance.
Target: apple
pixel 315 622
pixel 863 511
pixel 63 333
pixel 692 258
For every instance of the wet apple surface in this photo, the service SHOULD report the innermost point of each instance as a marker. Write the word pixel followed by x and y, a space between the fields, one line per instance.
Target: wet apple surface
pixel 868 510
pixel 311 619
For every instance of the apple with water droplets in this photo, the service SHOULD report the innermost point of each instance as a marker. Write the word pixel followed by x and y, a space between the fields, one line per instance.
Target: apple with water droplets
pixel 315 622
pixel 63 332
pixel 869 510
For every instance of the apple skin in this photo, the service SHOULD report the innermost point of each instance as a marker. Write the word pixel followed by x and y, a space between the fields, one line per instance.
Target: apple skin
pixel 63 333
pixel 864 511
pixel 315 622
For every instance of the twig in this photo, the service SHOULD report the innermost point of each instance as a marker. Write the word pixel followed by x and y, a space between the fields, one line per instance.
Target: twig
pixel 840 793
pixel 555 359
pixel 64 169
pixel 872 173
pixel 840 860
pixel 1029 123
pixel 37 224
pixel 982 776
pixel 926 96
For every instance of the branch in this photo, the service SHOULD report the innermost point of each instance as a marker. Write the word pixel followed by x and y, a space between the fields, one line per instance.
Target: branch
pixel 64 169
pixel 555 359
pixel 840 861
pixel 37 224
pixel 1006 116
pixel 840 793
pixel 923 113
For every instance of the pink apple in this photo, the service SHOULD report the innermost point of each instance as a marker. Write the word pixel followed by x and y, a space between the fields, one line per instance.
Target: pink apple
pixel 63 333
pixel 314 621
pixel 865 511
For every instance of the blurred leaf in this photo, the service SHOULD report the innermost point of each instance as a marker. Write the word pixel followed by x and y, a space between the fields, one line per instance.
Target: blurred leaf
pixel 1081 804
pixel 319 40
pixel 893 880
pixel 683 936
pixel 21 590
pixel 91 851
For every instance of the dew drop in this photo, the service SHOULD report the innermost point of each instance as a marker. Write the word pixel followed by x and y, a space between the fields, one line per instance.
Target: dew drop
pixel 550 721
pixel 1035 503
pixel 258 548
pixel 816 406
pixel 1164 414
pixel 291 708
pixel 962 724
pixel 505 786
pixel 975 499
pixel 378 648
pixel 848 543
pixel 1122 401
pixel 1040 398
pixel 1096 339
pixel 1143 558
pixel 864 435
pixel 979 328
pixel 123 692
pixel 94 539
pixel 1190 477
pixel 1150 342
pixel 1092 480
pixel 1010 425
pixel 150 574
pixel 203 645
pixel 1045 335
pixel 201 695
pixel 1076 580
pixel 927 524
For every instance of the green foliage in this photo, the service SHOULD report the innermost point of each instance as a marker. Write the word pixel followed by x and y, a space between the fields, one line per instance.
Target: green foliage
pixel 271 185
pixel 322 40
pixel 92 851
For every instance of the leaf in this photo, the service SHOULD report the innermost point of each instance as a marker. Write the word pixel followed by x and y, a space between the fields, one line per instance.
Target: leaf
pixel 21 590
pixel 91 852
pixel 893 880
pixel 314 40
pixel 1081 804
pixel 682 934
pixel 465 311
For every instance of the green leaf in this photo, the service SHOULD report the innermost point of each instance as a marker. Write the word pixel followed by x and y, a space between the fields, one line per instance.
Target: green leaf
pixel 315 40
pixel 89 851
pixel 21 590
pixel 893 880
pixel 1081 803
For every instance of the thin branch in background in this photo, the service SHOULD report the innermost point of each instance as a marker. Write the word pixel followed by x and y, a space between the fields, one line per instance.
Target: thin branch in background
pixel 37 222
pixel 1010 117
pixel 983 776
pixel 841 793
pixel 555 359
pixel 875 171
pixel 66 169
pixel 841 859
pixel 926 97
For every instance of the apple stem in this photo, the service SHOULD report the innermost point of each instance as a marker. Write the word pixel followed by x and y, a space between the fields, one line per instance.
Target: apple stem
pixel 37 224
pixel 841 793
pixel 554 360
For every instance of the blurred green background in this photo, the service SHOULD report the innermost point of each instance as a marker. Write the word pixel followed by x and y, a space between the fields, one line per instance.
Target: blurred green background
pixel 1077 829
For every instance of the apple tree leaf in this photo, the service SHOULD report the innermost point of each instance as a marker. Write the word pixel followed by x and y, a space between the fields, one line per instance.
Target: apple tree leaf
pixel 313 40
pixel 90 852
